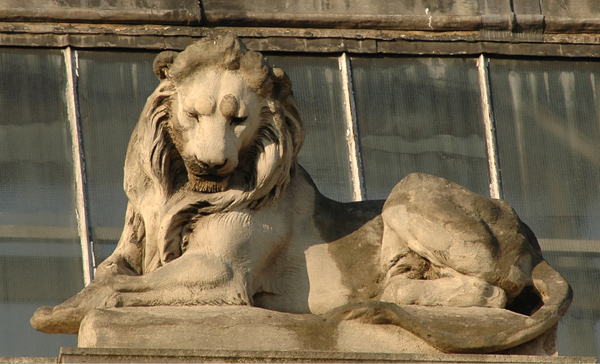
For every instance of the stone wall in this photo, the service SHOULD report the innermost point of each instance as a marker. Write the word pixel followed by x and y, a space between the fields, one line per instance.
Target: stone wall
pixel 524 27
pixel 524 16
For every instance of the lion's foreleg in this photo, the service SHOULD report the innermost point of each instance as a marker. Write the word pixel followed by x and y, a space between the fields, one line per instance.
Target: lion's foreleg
pixel 66 317
pixel 126 261
pixel 192 279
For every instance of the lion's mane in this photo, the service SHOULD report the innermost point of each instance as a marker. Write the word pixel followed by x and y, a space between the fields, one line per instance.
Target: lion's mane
pixel 155 174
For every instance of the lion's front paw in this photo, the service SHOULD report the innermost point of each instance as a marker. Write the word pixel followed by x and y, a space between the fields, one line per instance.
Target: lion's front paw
pixel 461 291
pixel 53 321
pixel 66 317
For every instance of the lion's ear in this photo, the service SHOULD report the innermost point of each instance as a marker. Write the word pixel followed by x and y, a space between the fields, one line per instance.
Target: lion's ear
pixel 162 63
pixel 283 84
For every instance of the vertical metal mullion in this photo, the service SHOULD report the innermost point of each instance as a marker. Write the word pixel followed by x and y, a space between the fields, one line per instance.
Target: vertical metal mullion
pixel 87 251
pixel 356 169
pixel 490 128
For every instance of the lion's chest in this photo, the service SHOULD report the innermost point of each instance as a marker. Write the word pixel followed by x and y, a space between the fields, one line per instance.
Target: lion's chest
pixel 279 255
pixel 239 238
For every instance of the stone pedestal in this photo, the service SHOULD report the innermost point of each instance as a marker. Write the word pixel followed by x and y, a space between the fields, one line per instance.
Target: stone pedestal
pixel 238 328
pixel 106 355
pixel 248 334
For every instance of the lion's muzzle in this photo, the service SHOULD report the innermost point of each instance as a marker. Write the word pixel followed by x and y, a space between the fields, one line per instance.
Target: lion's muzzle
pixel 206 179
pixel 208 183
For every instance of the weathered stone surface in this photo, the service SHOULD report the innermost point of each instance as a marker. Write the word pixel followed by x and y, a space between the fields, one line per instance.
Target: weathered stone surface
pixel 115 11
pixel 246 328
pixel 525 27
pixel 239 328
pixel 110 355
pixel 27 360
pixel 221 214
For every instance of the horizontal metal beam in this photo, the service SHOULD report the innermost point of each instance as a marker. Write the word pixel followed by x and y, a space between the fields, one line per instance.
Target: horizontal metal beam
pixel 295 40
pixel 354 41
pixel 31 232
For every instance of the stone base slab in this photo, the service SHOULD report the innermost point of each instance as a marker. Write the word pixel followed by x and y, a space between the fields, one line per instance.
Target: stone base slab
pixel 108 355
pixel 236 328
pixel 241 328
pixel 233 334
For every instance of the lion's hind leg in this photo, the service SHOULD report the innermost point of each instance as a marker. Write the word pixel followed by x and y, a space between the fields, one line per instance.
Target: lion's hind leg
pixel 460 231
pixel 413 280
pixel 475 251
pixel 458 290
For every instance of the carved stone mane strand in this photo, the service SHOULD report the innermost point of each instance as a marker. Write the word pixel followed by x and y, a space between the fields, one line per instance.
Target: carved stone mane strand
pixel 155 173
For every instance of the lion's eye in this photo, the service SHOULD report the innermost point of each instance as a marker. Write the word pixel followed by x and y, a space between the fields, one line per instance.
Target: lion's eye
pixel 238 121
pixel 191 115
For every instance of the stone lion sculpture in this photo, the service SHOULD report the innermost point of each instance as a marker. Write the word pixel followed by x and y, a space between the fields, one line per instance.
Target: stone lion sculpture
pixel 220 213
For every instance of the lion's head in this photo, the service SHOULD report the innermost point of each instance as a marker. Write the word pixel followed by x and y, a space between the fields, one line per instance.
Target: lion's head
pixel 222 125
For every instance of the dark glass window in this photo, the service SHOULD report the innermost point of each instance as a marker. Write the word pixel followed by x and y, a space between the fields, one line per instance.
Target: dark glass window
pixel 113 87
pixel 414 114
pixel 419 115
pixel 548 126
pixel 40 253
pixel 317 86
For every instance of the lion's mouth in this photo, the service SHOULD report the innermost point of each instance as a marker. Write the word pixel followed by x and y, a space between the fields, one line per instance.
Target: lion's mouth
pixel 209 177
pixel 207 183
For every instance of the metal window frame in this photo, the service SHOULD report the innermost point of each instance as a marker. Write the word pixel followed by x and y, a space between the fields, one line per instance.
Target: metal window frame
pixel 489 123
pixel 354 156
pixel 81 203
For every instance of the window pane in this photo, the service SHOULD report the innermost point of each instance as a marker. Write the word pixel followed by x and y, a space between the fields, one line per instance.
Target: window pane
pixel 419 115
pixel 40 253
pixel 548 125
pixel 113 87
pixel 317 86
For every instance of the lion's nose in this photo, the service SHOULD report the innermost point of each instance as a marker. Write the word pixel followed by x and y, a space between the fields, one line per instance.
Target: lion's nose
pixel 214 166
